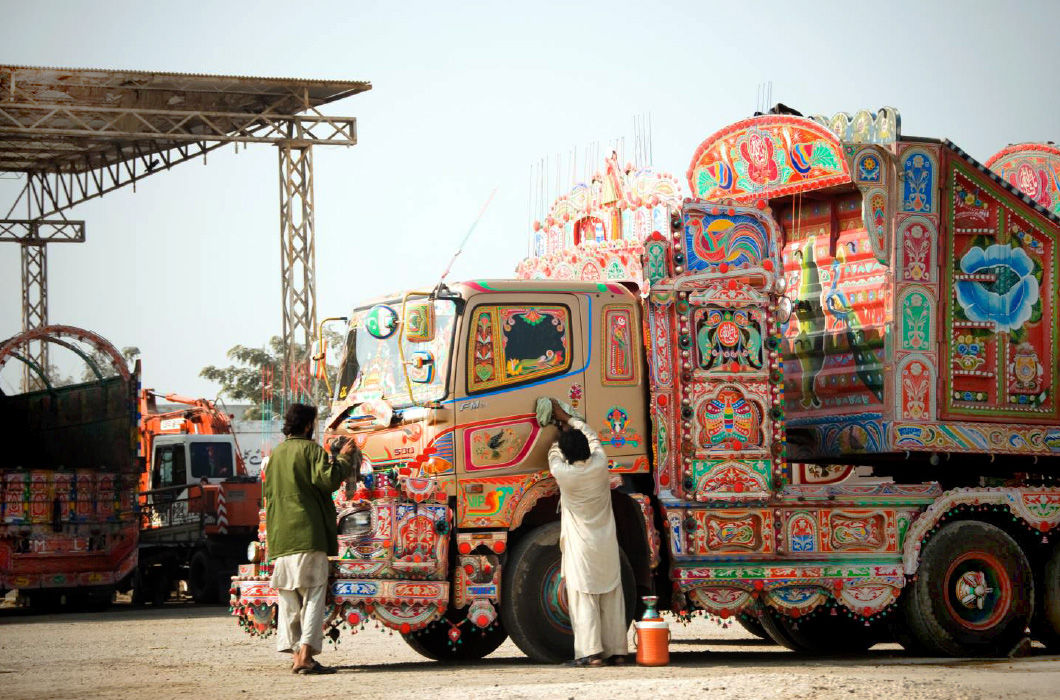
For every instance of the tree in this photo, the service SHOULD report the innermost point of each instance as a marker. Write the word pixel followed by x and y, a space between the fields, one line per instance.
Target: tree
pixel 256 377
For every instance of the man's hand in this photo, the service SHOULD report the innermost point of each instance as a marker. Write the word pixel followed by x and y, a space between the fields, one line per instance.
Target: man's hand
pixel 559 416
pixel 348 449
pixel 341 447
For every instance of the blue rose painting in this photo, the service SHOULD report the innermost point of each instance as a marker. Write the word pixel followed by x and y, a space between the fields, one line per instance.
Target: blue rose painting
pixel 1008 300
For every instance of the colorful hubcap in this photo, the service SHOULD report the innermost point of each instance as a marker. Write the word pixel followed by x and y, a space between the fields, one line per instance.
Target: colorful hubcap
pixel 554 599
pixel 972 589
pixel 978 591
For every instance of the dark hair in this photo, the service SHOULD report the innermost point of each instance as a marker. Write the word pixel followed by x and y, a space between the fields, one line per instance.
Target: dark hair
pixel 574 445
pixel 299 416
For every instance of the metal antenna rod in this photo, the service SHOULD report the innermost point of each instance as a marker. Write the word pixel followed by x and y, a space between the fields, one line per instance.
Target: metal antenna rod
pixel 467 235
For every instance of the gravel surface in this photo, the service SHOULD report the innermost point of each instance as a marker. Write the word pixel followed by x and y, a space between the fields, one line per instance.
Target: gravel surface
pixel 187 651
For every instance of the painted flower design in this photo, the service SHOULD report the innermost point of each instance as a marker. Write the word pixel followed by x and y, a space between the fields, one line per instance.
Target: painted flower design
pixel 1009 298
pixel 757 150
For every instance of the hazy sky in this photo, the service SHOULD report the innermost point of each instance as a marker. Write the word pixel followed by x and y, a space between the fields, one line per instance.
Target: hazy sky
pixel 465 97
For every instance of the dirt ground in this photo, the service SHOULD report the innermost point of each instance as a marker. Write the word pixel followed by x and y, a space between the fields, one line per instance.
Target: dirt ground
pixel 185 651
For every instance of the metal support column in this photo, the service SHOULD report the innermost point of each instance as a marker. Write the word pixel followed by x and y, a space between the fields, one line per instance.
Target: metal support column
pixel 34 301
pixel 33 237
pixel 297 264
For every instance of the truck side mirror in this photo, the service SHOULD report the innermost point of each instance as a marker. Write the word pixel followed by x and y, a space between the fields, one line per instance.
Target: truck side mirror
pixel 421 367
pixel 419 322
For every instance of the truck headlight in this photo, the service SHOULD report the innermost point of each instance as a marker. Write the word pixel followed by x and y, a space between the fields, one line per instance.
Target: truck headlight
pixel 356 523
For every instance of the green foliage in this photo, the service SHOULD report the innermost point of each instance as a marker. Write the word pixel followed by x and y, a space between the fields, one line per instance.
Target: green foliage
pixel 244 380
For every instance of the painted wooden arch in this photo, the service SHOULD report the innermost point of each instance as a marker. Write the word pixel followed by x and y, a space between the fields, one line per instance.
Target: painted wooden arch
pixel 767 156
pixel 1034 169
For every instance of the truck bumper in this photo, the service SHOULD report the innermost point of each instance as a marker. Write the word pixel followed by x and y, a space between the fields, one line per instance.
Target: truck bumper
pixel 404 606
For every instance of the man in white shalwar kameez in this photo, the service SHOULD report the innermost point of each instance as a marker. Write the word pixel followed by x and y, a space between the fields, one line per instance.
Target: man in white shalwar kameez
pixel 589 543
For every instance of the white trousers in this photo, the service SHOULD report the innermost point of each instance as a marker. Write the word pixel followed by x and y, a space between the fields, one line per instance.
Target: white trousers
pixel 599 622
pixel 301 619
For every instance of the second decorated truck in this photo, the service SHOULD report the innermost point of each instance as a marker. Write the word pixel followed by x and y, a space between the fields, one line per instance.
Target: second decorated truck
pixel 826 385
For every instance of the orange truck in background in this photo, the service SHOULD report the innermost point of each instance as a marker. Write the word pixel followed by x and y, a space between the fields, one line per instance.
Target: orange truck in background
pixel 199 506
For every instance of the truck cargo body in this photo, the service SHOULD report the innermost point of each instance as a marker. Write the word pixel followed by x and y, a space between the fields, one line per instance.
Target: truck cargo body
pixel 70 519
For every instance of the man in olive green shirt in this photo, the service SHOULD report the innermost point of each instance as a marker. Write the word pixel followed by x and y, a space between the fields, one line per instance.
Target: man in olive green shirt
pixel 301 532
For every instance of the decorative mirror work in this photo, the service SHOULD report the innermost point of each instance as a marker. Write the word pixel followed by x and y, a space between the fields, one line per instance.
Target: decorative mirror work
pixel 1032 168
pixel 767 156
pixel 1002 326
pixel 515 344
pixel 620 346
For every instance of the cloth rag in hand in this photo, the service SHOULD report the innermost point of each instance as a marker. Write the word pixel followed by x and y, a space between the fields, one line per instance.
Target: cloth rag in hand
pixel 543 408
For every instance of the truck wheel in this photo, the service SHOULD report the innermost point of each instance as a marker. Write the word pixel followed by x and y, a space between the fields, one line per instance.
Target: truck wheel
pixel 534 604
pixel 93 599
pixel 202 578
pixel 1047 611
pixel 821 634
pixel 973 594
pixel 433 640
pixel 753 626
pixel 45 600
pixel 159 586
pixel 900 631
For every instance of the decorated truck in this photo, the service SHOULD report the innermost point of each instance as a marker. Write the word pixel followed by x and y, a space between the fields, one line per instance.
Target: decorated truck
pixel 84 513
pixel 827 389
pixel 69 521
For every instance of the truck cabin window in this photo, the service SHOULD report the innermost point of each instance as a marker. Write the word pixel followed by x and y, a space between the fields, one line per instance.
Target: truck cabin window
pixel 371 365
pixel 170 469
pixel 211 460
pixel 510 345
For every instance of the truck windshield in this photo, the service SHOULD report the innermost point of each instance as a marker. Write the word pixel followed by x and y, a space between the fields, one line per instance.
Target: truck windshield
pixel 211 460
pixel 371 366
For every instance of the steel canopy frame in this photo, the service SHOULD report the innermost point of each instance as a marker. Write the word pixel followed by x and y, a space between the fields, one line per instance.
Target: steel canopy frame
pixel 77 134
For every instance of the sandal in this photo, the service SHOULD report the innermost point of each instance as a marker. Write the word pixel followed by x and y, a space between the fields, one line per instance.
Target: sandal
pixel 316 669
pixel 590 661
pixel 617 660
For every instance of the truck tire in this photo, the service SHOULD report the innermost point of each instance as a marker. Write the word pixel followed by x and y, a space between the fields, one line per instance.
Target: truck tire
pixel 973 594
pixel 753 626
pixel 534 606
pixel 821 634
pixel 202 578
pixel 95 599
pixel 1047 611
pixel 433 640
pixel 45 600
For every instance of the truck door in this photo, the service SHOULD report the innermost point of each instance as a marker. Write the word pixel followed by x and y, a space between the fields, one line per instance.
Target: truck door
pixel 169 470
pixel 516 348
pixel 615 395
